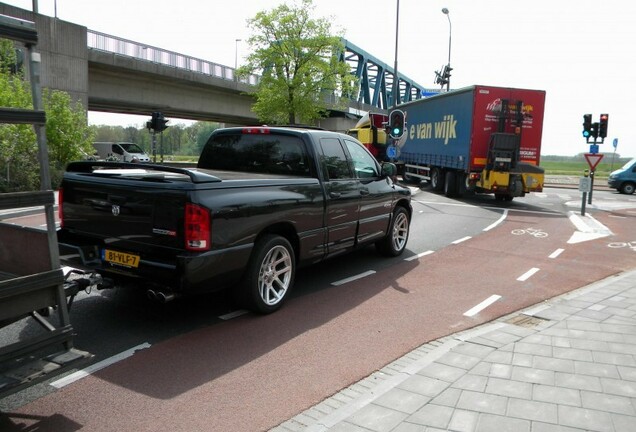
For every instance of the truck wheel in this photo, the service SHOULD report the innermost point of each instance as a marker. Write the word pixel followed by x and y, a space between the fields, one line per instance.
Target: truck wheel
pixel 450 185
pixel 437 182
pixel 627 188
pixel 395 241
pixel 270 274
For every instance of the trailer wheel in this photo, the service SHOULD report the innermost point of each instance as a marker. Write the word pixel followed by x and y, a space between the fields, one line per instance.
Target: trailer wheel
pixel 437 182
pixel 394 243
pixel 450 185
pixel 270 274
pixel 462 184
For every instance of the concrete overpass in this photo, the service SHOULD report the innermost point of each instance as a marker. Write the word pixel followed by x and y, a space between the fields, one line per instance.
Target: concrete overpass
pixel 111 74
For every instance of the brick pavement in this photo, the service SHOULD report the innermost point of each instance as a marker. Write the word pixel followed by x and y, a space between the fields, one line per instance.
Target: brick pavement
pixel 566 365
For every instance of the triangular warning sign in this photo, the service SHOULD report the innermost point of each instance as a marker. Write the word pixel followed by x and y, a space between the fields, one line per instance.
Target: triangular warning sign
pixel 593 159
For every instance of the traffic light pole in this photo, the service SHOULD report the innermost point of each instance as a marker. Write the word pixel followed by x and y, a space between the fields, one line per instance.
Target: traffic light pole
pixel 596 131
pixel 154 147
pixel 589 197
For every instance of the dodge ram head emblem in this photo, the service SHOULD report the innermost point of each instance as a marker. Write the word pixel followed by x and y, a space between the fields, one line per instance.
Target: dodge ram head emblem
pixel 116 210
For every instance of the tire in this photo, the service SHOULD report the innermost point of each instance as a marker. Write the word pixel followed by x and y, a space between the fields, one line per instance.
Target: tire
pixel 627 188
pixel 270 274
pixel 394 243
pixel 462 184
pixel 450 184
pixel 437 182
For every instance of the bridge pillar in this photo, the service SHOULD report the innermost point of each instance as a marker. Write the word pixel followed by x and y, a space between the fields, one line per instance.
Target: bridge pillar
pixel 64 52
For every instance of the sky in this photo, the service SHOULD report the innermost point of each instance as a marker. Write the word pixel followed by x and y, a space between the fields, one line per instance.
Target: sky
pixel 582 53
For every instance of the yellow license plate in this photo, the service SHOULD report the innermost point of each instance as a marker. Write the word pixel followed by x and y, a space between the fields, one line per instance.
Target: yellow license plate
pixel 120 258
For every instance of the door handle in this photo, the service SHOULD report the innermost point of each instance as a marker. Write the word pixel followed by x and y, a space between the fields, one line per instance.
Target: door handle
pixel 335 194
pixel 364 191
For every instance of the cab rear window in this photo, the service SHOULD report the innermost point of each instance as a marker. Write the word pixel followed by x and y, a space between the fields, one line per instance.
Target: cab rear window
pixel 256 153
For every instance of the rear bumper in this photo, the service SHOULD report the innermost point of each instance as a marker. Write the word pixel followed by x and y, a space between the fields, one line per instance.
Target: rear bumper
pixel 177 271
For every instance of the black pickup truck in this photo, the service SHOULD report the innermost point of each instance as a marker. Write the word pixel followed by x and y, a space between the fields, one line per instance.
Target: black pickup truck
pixel 261 202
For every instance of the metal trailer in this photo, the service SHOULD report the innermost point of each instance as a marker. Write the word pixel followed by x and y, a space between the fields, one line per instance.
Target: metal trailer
pixel 32 283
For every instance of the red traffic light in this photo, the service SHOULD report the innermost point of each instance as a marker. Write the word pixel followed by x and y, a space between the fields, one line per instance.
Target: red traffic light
pixel 602 127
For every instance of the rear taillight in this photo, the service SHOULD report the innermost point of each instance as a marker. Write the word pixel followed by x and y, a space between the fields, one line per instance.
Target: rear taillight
pixel 197 228
pixel 60 202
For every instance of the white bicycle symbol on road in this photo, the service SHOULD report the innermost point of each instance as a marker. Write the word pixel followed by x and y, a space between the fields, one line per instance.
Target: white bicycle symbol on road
pixel 532 231
pixel 618 245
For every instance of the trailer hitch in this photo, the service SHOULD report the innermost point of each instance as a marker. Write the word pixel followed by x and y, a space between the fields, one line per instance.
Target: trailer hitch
pixel 76 280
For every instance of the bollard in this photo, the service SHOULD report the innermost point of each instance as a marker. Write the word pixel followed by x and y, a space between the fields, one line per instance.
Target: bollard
pixel 584 186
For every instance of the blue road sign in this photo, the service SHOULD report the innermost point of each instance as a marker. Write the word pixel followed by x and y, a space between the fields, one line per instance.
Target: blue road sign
pixel 430 92
pixel 615 143
pixel 391 152
pixel 594 148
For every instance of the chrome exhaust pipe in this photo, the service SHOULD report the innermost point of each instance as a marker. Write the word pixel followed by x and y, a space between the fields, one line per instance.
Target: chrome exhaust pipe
pixel 152 295
pixel 165 297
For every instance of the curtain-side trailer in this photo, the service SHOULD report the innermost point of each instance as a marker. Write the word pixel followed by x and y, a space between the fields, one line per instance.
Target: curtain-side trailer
pixel 480 138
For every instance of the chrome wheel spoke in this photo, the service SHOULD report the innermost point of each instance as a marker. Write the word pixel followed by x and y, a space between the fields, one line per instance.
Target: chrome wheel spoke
pixel 275 275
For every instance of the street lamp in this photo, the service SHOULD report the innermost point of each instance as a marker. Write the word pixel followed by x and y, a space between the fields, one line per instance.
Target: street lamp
pixel 236 41
pixel 446 12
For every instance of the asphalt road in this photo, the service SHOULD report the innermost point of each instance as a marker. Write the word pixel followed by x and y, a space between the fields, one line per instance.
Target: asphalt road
pixel 199 370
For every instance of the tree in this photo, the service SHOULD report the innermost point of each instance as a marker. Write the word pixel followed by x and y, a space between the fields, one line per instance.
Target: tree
pixel 68 135
pixel 298 60
pixel 18 145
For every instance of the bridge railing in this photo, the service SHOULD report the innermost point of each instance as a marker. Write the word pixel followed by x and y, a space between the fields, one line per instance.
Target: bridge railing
pixel 124 47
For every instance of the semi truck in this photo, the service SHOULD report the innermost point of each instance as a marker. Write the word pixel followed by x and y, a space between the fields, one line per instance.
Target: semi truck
pixel 480 138
pixel 370 130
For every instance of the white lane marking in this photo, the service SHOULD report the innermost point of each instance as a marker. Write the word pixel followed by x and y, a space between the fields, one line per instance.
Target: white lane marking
pixel 498 221
pixel 419 255
pixel 485 207
pixel 75 376
pixel 528 274
pixel 588 228
pixel 556 253
pixel 481 306
pixel 463 239
pixel 234 314
pixel 353 278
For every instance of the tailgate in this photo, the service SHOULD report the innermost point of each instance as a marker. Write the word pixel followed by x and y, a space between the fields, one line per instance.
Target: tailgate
pixel 136 214
pixel 133 207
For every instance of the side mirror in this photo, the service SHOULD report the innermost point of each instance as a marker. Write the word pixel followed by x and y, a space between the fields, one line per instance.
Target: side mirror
pixel 389 169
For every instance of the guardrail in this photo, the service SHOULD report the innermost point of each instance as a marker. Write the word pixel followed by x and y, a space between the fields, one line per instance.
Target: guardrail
pixel 144 52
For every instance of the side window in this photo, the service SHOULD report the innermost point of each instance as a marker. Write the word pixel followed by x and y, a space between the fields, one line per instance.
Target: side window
pixel 334 160
pixel 364 164
pixel 117 150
